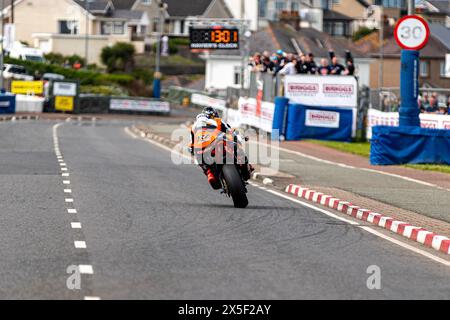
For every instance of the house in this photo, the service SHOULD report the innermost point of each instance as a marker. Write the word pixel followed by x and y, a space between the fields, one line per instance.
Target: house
pixel 432 59
pixel 223 67
pixel 178 16
pixel 435 11
pixel 66 26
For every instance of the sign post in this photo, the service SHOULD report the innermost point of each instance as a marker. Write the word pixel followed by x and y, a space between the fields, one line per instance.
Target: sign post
pixel 412 34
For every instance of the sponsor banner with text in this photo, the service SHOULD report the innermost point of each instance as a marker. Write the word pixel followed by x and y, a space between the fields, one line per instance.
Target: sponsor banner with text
pixel 252 116
pixel 322 91
pixel 379 118
pixel 139 105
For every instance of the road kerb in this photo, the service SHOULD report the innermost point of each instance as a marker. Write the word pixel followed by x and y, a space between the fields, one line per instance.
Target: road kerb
pixel 417 234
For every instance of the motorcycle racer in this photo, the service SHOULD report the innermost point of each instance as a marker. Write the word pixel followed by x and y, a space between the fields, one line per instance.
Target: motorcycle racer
pixel 209 119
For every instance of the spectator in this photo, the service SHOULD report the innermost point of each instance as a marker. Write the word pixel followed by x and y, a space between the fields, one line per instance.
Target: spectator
pixel 302 66
pixel 432 106
pixel 336 68
pixel 324 68
pixel 269 64
pixel 350 68
pixel 448 105
pixel 290 67
pixel 442 109
pixel 311 64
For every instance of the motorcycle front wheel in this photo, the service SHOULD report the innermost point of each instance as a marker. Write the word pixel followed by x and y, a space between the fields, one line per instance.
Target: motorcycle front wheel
pixel 236 187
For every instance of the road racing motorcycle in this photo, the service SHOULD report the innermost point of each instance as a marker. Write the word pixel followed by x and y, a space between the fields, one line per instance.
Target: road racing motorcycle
pixel 223 153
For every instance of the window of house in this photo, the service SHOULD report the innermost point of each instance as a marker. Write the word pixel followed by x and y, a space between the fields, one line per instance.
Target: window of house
pixel 442 69
pixel 112 27
pixel 279 5
pixel 294 6
pixel 119 27
pixel 338 29
pixel 147 2
pixel 424 68
pixel 68 27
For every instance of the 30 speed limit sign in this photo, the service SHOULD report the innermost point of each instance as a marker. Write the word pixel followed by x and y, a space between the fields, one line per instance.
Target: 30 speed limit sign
pixel 412 32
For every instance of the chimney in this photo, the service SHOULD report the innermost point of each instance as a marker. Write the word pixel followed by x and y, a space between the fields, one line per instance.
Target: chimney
pixel 291 18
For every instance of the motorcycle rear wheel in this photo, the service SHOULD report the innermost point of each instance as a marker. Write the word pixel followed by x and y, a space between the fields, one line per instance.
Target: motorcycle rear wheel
pixel 235 185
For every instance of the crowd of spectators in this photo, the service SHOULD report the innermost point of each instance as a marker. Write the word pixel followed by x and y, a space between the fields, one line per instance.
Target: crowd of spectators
pixel 429 103
pixel 289 63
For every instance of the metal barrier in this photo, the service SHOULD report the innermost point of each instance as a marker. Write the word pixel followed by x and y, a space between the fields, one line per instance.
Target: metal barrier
pixel 388 99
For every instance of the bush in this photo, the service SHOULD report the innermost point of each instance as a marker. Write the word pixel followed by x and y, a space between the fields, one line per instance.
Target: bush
pixel 103 90
pixel 119 57
pixel 144 75
pixel 59 59
pixel 362 32
pixel 85 77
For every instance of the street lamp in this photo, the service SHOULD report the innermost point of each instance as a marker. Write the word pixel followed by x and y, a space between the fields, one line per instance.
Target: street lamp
pixel 157 76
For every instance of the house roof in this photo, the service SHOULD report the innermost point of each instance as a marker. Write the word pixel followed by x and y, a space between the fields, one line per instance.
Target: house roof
pixel 96 5
pixel 279 36
pixel 441 5
pixel 128 14
pixel 441 33
pixel 437 46
pixel 185 8
pixel 124 4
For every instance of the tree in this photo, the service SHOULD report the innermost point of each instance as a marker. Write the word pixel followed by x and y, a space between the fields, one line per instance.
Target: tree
pixel 119 57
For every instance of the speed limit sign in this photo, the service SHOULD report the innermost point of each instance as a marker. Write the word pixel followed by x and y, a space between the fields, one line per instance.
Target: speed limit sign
pixel 412 32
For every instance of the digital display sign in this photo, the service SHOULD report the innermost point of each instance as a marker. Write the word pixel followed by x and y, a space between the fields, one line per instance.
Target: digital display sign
pixel 214 38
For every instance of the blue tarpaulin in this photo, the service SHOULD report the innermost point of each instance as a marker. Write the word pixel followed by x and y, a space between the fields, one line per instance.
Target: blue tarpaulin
pixel 399 145
pixel 323 123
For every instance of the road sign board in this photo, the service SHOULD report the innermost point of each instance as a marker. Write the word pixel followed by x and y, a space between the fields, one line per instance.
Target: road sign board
pixel 63 103
pixel 412 32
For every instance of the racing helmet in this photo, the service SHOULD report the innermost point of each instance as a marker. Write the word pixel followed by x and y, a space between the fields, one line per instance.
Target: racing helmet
pixel 210 112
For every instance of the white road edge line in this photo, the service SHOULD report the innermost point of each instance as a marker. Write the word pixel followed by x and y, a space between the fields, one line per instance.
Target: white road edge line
pixel 328 213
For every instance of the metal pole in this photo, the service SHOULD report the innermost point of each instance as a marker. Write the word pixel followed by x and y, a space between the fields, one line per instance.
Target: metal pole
pixel 86 49
pixel 158 44
pixel 243 53
pixel 2 57
pixel 411 7
pixel 381 65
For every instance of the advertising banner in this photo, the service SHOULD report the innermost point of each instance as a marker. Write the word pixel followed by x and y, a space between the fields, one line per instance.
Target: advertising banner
pixel 248 111
pixel 27 87
pixel 139 105
pixel 68 89
pixel 64 103
pixel 430 121
pixel 322 91
pixel 322 123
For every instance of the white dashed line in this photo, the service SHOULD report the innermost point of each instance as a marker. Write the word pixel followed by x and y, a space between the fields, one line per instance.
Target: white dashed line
pixel 67 190
pixel 64 169
pixel 92 298
pixel 80 244
pixel 65 174
pixel 71 210
pixel 75 225
pixel 66 182
pixel 85 269
pixel 69 200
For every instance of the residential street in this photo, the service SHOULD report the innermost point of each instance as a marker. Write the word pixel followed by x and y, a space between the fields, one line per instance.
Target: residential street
pixel 154 230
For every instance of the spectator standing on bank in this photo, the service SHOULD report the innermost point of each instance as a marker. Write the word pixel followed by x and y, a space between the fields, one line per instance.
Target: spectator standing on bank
pixel 336 68
pixel 311 64
pixel 302 65
pixel 324 68
pixel 350 68
pixel 290 68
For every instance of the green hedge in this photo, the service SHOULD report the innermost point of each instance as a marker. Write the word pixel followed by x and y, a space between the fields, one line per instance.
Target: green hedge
pixel 85 77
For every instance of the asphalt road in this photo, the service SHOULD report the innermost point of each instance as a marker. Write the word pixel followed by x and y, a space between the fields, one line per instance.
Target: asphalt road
pixel 154 230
